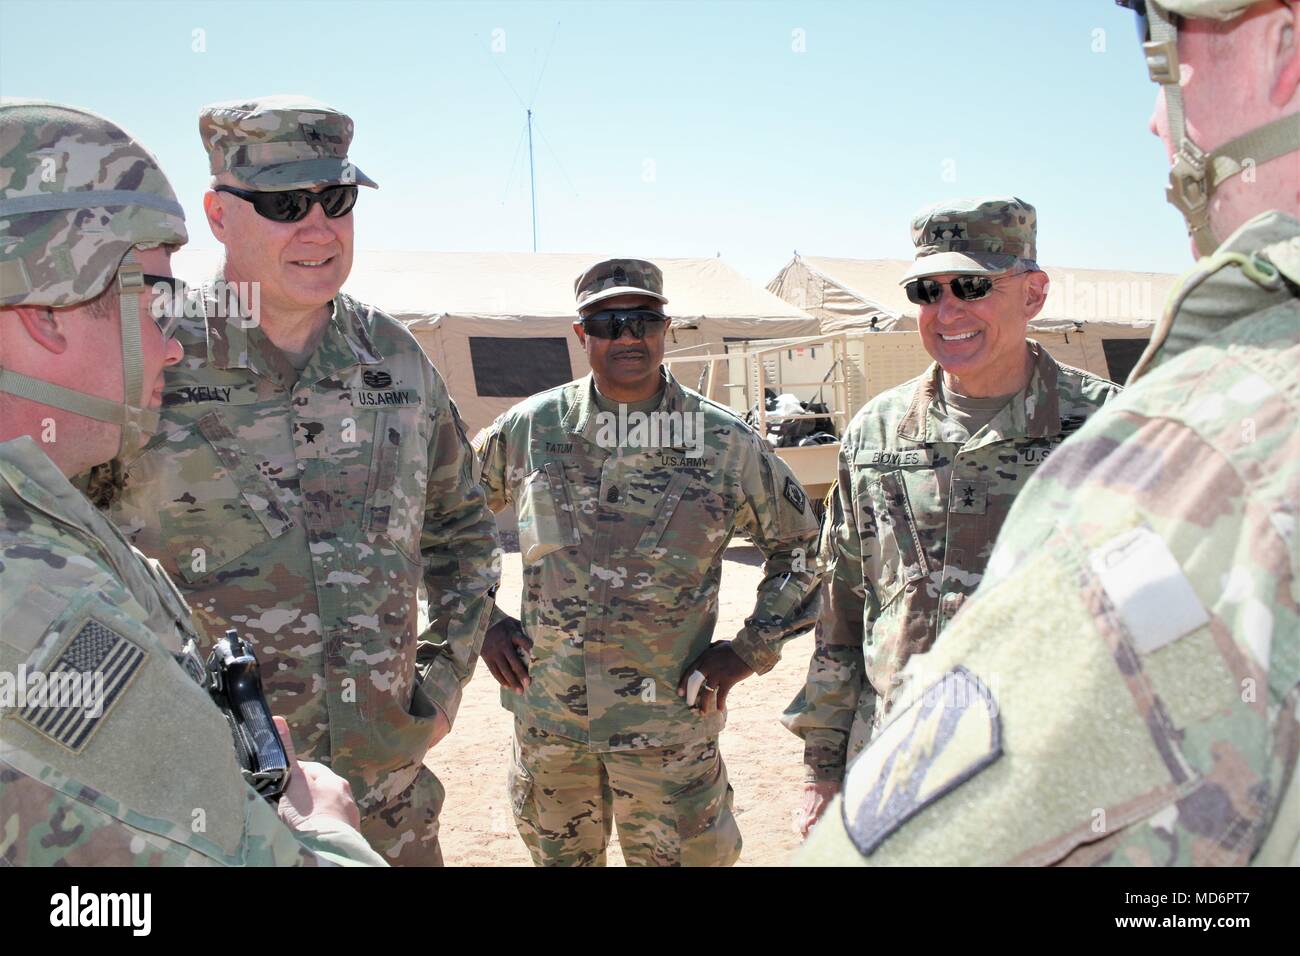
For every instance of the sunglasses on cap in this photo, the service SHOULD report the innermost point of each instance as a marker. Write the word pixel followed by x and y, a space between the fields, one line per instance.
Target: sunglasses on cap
pixel 291 205
pixel 610 323
pixel 966 288
pixel 1139 8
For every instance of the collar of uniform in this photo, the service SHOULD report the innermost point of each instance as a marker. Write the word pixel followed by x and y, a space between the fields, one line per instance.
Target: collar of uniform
pixel 581 415
pixel 1035 413
pixel 26 468
pixel 345 343
pixel 1210 297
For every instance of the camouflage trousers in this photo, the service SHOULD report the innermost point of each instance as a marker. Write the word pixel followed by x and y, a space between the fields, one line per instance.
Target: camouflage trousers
pixel 402 826
pixel 672 804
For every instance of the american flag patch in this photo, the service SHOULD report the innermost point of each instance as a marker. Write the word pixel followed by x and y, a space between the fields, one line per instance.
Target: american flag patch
pixel 86 680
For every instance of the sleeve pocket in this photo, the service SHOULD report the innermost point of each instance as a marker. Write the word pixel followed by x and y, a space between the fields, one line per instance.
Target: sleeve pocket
pixel 545 513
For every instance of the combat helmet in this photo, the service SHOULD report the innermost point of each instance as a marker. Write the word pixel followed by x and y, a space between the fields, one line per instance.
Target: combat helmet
pixel 77 195
pixel 1196 174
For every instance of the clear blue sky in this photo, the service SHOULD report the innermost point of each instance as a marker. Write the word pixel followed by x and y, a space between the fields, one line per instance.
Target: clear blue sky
pixel 669 129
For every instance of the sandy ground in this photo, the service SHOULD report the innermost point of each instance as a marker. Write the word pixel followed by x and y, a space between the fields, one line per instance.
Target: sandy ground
pixel 763 758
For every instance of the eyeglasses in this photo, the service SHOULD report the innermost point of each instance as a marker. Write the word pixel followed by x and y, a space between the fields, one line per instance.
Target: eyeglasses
pixel 168 305
pixel 291 205
pixel 610 323
pixel 966 288
pixel 1139 8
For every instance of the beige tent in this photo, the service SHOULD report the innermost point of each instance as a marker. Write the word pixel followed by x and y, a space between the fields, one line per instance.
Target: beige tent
pixel 498 326
pixel 1093 319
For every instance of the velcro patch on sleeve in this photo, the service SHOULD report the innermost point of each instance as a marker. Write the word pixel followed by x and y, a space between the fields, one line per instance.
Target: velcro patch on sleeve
pixel 68 702
pixel 1145 583
pixel 944 738
pixel 795 495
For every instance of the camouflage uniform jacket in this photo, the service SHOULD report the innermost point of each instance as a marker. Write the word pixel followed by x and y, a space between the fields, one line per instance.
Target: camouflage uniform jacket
pixel 1137 635
pixel 622 550
pixel 305 510
pixel 146 776
pixel 922 506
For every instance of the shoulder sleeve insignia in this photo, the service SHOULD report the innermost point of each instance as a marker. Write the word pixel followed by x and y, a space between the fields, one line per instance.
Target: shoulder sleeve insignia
pixel 944 738
pixel 795 495
pixel 87 679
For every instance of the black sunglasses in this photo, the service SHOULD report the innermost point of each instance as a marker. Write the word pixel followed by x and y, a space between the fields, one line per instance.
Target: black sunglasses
pixel 1139 8
pixel 610 323
pixel 966 288
pixel 168 305
pixel 291 205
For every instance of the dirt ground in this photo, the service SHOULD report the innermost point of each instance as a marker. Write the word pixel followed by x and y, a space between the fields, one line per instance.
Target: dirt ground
pixel 763 758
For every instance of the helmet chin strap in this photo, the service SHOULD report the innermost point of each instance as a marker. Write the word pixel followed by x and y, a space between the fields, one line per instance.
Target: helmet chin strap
pixel 137 424
pixel 1196 174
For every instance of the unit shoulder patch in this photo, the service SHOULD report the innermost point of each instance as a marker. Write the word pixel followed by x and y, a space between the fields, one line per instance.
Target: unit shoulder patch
pixel 950 733
pixel 795 495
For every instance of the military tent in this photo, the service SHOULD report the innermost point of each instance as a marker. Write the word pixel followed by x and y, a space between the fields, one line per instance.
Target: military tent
pixel 498 326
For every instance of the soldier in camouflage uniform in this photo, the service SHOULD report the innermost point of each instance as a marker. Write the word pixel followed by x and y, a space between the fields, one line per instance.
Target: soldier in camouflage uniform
pixel 622 537
pixel 111 752
pixel 928 471
pixel 312 472
pixel 1124 687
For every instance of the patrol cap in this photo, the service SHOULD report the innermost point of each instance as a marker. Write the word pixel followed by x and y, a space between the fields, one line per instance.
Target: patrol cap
pixel 983 236
pixel 615 277
pixel 77 192
pixel 280 142
pixel 1208 9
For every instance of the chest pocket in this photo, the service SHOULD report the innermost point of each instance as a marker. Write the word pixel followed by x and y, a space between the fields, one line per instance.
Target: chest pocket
pixel 544 511
pixel 214 504
pixel 887 526
pixel 399 478
pixel 687 527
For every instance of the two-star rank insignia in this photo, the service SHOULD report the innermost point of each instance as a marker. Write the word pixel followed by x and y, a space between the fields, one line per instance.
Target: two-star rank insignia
pixel 968 497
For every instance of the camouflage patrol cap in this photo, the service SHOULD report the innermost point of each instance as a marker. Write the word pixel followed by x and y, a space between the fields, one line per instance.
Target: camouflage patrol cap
pixel 1208 9
pixel 77 192
pixel 281 142
pixel 974 237
pixel 615 277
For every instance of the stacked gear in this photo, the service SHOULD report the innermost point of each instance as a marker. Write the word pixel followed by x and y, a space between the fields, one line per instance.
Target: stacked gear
pixel 1196 174
pixel 79 196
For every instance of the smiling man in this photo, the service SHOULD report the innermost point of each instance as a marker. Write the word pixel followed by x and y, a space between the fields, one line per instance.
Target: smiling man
pixel 312 472
pixel 1124 687
pixel 928 471
pixel 128 763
